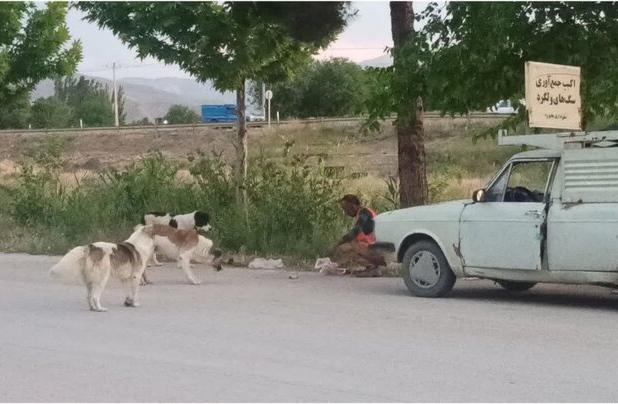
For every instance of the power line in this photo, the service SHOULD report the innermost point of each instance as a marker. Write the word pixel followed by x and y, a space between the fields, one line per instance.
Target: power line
pixel 110 67
pixel 358 48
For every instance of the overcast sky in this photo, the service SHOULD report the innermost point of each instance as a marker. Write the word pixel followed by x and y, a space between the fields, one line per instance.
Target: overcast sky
pixel 365 38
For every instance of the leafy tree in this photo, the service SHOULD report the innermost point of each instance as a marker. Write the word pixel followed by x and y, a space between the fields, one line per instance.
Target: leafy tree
pixel 479 51
pixel 94 111
pixel 50 112
pixel 407 87
pixel 400 88
pixel 89 100
pixel 15 114
pixel 34 45
pixel 336 87
pixel 469 55
pixel 228 43
pixel 287 95
pixel 179 114
pixel 141 122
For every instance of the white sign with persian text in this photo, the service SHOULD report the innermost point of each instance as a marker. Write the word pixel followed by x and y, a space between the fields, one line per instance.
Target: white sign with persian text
pixel 552 96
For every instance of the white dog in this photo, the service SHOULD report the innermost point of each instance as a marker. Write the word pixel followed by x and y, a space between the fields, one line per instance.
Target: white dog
pixel 184 246
pixel 197 220
pixel 97 261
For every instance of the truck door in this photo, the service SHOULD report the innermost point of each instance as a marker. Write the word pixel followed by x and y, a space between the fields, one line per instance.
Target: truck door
pixel 506 230
pixel 582 226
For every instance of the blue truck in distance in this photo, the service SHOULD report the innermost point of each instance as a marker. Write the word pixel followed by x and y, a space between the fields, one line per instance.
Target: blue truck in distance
pixel 219 113
pixel 227 113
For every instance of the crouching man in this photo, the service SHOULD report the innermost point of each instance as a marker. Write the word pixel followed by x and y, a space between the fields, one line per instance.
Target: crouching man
pixel 354 250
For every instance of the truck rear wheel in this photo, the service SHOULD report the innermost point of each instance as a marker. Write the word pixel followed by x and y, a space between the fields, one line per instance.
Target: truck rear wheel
pixel 426 271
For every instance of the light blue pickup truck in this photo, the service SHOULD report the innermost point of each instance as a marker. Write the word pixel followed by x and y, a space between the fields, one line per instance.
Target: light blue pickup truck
pixel 548 215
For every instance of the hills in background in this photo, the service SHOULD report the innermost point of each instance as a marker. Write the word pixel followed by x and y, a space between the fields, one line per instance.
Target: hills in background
pixel 381 61
pixel 152 98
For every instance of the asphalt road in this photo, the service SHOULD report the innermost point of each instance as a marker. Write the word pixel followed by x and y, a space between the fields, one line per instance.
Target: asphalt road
pixel 259 336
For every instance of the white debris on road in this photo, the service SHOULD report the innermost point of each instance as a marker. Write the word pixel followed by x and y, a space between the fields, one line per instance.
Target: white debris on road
pixel 262 263
pixel 328 267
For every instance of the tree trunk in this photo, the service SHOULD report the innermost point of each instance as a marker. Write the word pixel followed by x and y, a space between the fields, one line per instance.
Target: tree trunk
pixel 241 147
pixel 410 130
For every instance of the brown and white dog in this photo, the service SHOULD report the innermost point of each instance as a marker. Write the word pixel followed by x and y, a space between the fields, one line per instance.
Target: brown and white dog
pixel 203 253
pixel 196 220
pixel 97 261
pixel 182 245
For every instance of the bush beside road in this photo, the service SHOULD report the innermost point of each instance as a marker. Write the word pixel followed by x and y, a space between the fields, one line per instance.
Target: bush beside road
pixel 60 190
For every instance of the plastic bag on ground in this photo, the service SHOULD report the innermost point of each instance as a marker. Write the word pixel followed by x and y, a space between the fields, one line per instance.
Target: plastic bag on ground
pixel 262 263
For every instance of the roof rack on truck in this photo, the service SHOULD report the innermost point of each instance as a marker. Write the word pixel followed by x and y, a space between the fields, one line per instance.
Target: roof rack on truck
pixel 560 141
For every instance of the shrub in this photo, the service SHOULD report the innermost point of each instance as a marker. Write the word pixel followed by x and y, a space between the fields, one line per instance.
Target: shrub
pixel 293 207
pixel 292 210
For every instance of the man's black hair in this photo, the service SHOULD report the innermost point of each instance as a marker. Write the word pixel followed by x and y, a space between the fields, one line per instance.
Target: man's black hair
pixel 350 198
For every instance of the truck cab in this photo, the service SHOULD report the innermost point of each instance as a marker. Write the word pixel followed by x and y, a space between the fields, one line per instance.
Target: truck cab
pixel 548 215
pixel 219 113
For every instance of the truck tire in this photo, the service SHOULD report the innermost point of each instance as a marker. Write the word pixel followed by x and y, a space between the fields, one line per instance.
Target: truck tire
pixel 516 286
pixel 426 271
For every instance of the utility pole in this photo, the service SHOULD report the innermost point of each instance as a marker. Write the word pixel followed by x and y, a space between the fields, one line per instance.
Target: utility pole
pixel 269 95
pixel 115 95
pixel 263 98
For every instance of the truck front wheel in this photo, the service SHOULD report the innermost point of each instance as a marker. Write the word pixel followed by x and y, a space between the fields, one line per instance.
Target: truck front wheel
pixel 426 271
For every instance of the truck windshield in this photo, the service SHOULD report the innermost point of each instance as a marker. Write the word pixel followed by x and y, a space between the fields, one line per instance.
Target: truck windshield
pixel 524 181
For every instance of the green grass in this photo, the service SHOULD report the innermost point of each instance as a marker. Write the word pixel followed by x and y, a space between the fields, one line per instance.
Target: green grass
pixel 293 210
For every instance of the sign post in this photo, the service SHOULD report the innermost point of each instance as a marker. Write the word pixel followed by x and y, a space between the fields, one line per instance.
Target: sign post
pixel 553 97
pixel 269 96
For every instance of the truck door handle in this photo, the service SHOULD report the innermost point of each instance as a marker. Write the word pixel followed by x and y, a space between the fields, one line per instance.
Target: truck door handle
pixel 534 213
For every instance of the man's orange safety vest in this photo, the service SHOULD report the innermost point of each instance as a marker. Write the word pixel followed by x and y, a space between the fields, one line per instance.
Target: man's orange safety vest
pixel 362 238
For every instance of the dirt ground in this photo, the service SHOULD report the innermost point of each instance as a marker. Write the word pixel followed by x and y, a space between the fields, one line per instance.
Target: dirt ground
pixel 339 143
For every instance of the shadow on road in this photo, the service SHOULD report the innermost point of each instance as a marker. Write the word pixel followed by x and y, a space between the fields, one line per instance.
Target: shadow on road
pixel 551 295
pixel 579 296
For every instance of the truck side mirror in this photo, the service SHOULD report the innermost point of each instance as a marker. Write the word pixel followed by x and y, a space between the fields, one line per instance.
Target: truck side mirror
pixel 478 195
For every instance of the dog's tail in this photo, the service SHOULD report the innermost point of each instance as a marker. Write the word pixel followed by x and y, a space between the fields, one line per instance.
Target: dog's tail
pixel 71 264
